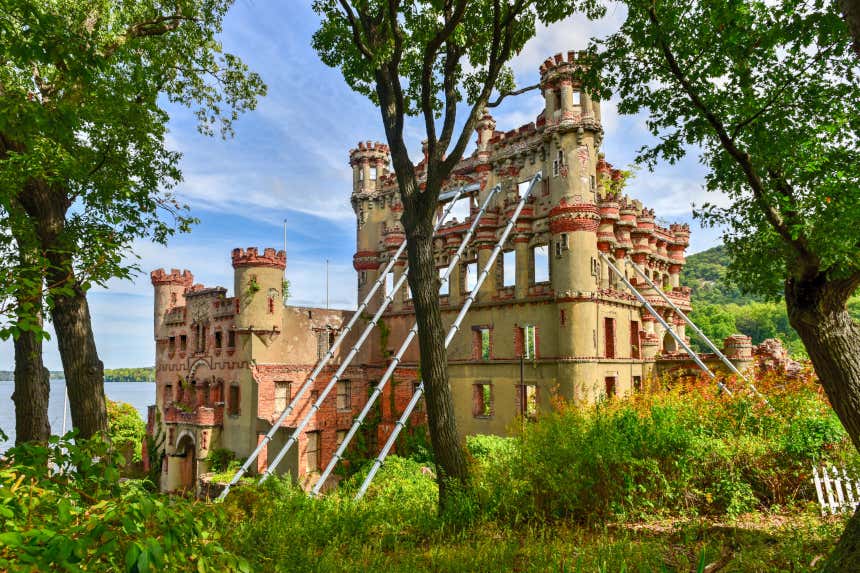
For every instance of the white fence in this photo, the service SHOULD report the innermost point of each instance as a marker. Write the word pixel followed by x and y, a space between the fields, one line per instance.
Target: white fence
pixel 837 492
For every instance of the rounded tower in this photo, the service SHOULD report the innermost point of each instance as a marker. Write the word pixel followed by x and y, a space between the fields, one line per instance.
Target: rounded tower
pixel 375 213
pixel 169 294
pixel 258 282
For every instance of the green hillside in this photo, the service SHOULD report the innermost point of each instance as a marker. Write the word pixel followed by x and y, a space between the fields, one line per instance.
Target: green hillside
pixel 721 308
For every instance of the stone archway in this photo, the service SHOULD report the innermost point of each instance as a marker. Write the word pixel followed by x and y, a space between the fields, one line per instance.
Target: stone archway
pixel 186 449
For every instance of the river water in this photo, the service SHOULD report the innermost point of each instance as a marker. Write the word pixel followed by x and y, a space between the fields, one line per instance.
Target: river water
pixel 138 394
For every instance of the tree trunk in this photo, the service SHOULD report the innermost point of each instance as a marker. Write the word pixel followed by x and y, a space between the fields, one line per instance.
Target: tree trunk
pixel 816 310
pixel 32 388
pixel 46 205
pixel 851 12
pixel 424 282
pixel 83 369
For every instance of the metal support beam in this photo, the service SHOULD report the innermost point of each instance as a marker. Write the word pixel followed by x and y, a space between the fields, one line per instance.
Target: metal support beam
pixel 398 356
pixel 452 331
pixel 335 345
pixel 695 328
pixel 662 321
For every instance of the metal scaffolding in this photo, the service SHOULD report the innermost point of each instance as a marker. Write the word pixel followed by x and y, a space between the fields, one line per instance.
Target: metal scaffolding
pixel 696 329
pixel 337 342
pixel 398 356
pixel 333 381
pixel 452 331
pixel 662 321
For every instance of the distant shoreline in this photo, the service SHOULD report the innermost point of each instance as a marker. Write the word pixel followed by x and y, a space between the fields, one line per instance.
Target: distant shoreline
pixel 111 375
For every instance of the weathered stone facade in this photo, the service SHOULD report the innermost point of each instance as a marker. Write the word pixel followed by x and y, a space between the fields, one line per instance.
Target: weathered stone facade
pixel 555 322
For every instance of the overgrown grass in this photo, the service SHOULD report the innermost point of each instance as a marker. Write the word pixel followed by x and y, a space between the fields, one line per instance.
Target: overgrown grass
pixel 584 489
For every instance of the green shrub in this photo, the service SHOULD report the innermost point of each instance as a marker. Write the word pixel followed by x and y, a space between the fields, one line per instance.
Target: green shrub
pixel 64 508
pixel 126 430
pixel 219 459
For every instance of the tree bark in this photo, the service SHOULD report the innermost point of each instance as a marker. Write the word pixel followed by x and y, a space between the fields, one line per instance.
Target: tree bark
pixel 46 205
pixel 851 12
pixel 83 369
pixel 32 389
pixel 424 282
pixel 816 310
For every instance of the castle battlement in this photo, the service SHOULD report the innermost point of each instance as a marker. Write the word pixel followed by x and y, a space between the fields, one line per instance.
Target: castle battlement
pixel 159 277
pixel 373 152
pixel 251 257
pixel 558 64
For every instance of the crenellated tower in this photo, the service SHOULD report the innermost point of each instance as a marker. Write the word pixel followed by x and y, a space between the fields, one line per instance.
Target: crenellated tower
pixel 258 280
pixel 169 294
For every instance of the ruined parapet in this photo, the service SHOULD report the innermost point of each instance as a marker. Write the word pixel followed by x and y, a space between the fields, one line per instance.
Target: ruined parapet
pixel 559 80
pixel 771 356
pixel 170 289
pixel 258 286
pixel 739 349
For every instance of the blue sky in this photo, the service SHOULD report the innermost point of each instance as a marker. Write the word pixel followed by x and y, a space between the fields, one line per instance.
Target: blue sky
pixel 289 159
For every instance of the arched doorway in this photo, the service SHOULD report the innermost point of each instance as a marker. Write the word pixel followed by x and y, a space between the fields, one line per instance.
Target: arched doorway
pixel 187 450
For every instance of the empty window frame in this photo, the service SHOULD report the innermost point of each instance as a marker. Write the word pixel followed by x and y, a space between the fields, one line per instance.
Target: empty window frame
pixel 481 343
pixel 339 437
pixel 540 264
pixel 322 343
pixel 461 210
pixel 471 276
pixel 558 163
pixel 233 403
pixel 231 339
pixel 445 286
pixel 509 268
pixel 610 383
pixel 527 401
pixel 183 342
pixel 389 283
pixel 419 407
pixel 283 393
pixel 634 339
pixel 168 394
pixel 171 344
pixel 312 452
pixel 482 400
pixel 609 337
pixel 219 339
pixel 373 173
pixel 577 98
pixel 344 395
pixel 526 346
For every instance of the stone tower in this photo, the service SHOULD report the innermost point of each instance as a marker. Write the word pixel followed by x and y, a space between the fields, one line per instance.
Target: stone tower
pixel 169 294
pixel 258 286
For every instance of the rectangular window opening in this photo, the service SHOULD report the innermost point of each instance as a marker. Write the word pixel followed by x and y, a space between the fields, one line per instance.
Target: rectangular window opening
pixel 509 268
pixel 609 381
pixel 389 284
pixel 609 337
pixel 171 344
pixel 219 338
pixel 168 394
pixel 340 436
pixel 540 264
pixel 527 401
pixel 231 339
pixel 419 407
pixel 373 173
pixel 634 339
pixel 471 276
pixel 283 391
pixel 183 342
pixel 637 383
pixel 461 210
pixel 234 401
pixel 577 97
pixel 344 395
pixel 482 400
pixel 445 286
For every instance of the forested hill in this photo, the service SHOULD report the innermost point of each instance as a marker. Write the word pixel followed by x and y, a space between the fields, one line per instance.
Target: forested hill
pixel 721 309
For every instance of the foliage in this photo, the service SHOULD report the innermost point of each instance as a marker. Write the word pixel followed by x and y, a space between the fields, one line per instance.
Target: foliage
pixel 706 273
pixel 769 91
pixel 715 321
pixel 219 459
pixel 79 516
pixel 126 430
pixel 85 86
pixel 144 374
pixel 681 454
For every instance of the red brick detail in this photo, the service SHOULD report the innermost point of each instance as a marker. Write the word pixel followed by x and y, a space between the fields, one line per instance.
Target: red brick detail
pixel 365 261
pixel 250 257
pixel 174 277
pixel 571 217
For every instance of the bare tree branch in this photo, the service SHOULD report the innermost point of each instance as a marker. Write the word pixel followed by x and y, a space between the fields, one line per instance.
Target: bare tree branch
pixel 496 102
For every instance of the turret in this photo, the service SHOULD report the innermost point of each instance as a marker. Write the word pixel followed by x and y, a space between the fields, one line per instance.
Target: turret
pixel 376 211
pixel 258 286
pixel 169 294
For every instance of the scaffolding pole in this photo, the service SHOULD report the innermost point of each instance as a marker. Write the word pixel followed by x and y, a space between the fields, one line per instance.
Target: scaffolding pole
pixel 335 345
pixel 338 373
pixel 452 331
pixel 695 328
pixel 665 324
pixel 398 356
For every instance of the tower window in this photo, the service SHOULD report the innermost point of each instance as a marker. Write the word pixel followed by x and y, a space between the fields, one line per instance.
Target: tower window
pixel 231 339
pixel 233 403
pixel 577 97
pixel 471 276
pixel 183 342
pixel 482 400
pixel 219 339
pixel 361 174
pixel 509 268
pixel 540 264
pixel 609 337
pixel 445 287
pixel 557 97
pixel 171 344
pixel 373 173
pixel 389 284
